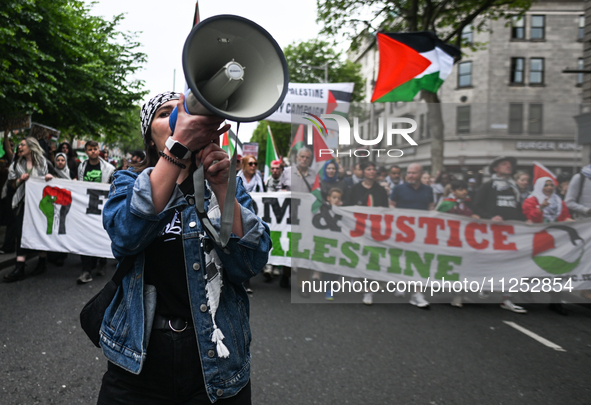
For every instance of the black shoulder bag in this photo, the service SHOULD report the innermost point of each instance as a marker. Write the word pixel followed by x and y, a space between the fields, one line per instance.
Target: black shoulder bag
pixel 91 316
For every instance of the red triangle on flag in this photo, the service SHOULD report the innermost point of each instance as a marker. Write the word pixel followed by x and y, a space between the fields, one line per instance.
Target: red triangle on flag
pixel 542 171
pixel 319 145
pixel 299 136
pixel 399 63
pixel 332 103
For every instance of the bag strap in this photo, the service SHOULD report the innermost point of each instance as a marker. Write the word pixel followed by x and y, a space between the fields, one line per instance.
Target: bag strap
pixel 227 217
pixel 304 178
pixel 582 179
pixel 123 269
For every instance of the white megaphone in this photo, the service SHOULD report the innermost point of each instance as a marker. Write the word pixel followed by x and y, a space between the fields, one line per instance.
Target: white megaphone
pixel 234 69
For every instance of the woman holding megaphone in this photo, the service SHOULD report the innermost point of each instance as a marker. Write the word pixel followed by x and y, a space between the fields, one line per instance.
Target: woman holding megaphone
pixel 192 343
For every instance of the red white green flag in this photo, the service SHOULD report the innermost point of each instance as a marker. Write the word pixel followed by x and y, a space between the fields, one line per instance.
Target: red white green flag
pixel 410 62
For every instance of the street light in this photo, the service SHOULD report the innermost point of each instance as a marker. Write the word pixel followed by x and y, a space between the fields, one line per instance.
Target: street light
pixel 325 68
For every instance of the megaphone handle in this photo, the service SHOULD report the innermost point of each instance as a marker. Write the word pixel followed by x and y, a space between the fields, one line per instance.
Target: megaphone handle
pixel 174 115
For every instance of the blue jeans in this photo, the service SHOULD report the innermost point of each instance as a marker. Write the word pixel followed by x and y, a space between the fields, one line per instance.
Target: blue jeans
pixel 171 375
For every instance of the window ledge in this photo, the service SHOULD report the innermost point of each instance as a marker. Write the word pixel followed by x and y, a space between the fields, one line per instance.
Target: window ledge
pixel 464 87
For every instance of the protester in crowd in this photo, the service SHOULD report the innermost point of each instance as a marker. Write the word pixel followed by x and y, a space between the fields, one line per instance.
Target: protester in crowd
pixel 522 180
pixel 137 156
pixel 457 204
pixel 426 179
pixel 31 163
pixel 95 170
pixel 198 348
pixel 330 179
pixel 8 217
pixel 60 171
pixel 251 178
pixel 563 180
pixel 499 199
pixel 544 206
pixel 275 183
pixel 394 177
pixel 125 164
pixel 303 176
pixel 66 148
pixel 578 195
pixel 382 173
pixel 356 176
pixel 441 181
pixel 413 195
pixel 368 193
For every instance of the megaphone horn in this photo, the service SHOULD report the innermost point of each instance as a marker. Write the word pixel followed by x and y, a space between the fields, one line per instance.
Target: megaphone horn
pixel 234 69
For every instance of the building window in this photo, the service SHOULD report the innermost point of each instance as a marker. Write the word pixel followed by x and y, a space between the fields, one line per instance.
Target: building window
pixel 515 118
pixel 465 74
pixel 580 66
pixel 517 27
pixel 535 119
pixel 468 34
pixel 536 71
pixel 581 27
pixel 463 119
pixel 537 27
pixel 517 70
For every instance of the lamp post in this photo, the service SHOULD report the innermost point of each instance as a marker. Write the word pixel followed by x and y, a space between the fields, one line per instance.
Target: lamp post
pixel 325 68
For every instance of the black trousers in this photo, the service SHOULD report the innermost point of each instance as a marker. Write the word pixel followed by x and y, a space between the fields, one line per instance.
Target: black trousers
pixel 171 375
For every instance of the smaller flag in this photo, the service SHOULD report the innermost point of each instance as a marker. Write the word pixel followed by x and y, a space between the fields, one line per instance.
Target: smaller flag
pixel 271 153
pixel 542 171
pixel 230 141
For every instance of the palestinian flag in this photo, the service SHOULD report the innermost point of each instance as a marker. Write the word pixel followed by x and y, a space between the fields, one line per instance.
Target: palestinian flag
pixel 298 139
pixel 542 171
pixel 411 62
pixel 271 153
pixel 229 142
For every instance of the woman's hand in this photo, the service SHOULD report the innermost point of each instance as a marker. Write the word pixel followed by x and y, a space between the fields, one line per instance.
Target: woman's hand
pixel 216 165
pixel 48 177
pixel 197 131
pixel 24 177
pixel 544 204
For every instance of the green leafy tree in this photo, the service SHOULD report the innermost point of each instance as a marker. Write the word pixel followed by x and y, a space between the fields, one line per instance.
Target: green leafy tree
pixel 69 68
pixel 357 20
pixel 316 53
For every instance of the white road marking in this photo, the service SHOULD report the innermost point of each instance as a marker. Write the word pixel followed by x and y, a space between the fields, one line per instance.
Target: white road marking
pixel 535 336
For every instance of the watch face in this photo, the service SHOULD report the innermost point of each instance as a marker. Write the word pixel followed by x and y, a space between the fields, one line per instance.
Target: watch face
pixel 179 150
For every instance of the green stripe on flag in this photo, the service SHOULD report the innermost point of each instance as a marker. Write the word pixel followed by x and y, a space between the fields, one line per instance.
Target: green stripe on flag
pixel 407 91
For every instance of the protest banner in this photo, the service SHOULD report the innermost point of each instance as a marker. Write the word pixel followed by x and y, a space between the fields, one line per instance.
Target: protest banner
pixel 374 243
pixel 66 216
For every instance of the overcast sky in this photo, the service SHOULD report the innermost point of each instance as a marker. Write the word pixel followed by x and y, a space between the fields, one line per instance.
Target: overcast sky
pixel 164 26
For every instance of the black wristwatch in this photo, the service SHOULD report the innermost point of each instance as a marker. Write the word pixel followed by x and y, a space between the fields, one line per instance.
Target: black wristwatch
pixel 177 149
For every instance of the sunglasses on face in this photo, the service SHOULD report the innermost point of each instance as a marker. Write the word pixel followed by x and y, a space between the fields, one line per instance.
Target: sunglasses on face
pixel 252 163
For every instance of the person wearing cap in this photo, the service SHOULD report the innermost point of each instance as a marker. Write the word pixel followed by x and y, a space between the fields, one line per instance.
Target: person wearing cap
pixel 192 343
pixel 499 199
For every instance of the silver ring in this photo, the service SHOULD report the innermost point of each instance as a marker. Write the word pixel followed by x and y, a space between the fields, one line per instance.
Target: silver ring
pixel 175 330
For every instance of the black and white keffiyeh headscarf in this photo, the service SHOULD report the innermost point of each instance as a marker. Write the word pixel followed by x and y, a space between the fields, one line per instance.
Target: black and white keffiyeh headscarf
pixel 149 109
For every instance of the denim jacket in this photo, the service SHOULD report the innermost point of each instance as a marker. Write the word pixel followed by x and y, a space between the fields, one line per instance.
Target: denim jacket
pixel 132 223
